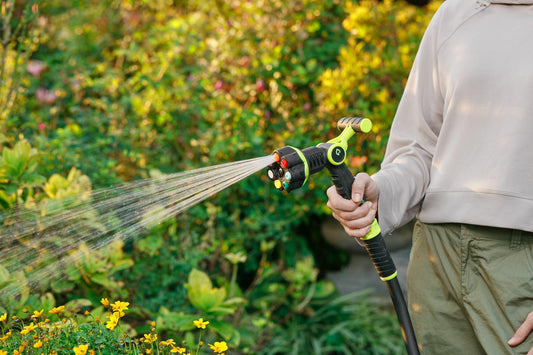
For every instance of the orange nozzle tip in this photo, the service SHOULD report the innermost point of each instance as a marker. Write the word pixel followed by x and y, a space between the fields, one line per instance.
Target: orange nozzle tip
pixel 276 157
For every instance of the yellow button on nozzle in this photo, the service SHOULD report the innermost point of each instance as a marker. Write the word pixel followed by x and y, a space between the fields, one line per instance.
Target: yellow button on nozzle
pixel 277 183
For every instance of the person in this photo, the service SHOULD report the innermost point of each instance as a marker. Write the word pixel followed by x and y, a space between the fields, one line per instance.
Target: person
pixel 459 161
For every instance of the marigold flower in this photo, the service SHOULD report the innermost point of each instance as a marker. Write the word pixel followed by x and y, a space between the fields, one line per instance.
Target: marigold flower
pixel 3 352
pixel 105 302
pixel 3 317
pixel 200 323
pixel 150 338
pixel 219 347
pixel 56 310
pixel 5 337
pixel 178 350
pixel 27 329
pixel 148 351
pixel 37 314
pixel 38 344
pixel 81 349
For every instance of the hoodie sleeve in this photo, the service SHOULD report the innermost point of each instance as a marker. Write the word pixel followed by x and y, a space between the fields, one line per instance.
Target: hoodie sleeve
pixel 405 170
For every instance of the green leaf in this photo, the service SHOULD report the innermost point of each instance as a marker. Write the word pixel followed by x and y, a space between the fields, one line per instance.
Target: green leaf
pixel 198 283
pixel 47 301
pixel 209 301
pixel 225 329
pixel 76 305
pixel 201 292
pixel 4 274
pixel 175 321
pixel 324 289
pixel 62 285
pixel 103 279
pixel 32 180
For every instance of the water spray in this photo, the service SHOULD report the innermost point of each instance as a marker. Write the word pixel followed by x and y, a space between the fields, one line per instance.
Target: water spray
pixel 293 167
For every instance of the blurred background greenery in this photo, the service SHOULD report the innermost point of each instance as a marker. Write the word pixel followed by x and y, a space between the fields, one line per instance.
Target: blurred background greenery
pixel 94 93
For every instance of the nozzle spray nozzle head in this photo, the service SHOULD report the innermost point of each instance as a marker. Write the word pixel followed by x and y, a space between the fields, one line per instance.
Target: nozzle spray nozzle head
pixel 290 169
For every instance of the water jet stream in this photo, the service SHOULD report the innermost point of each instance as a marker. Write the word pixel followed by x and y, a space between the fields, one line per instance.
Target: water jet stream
pixel 40 244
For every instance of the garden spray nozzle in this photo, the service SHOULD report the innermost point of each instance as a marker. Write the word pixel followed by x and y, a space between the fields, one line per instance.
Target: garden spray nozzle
pixel 292 166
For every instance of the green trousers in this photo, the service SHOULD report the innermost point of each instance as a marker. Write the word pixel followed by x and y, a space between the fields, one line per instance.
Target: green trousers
pixel 469 288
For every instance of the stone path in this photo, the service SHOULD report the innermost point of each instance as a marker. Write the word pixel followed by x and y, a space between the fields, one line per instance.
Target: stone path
pixel 360 274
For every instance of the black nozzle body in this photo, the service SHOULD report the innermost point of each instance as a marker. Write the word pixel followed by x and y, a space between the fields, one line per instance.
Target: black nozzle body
pixel 294 166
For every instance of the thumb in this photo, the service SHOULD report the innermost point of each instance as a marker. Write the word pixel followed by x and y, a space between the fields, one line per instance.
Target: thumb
pixel 360 186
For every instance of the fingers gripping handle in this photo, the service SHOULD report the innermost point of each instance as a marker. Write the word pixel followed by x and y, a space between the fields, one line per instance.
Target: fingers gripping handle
pixel 374 242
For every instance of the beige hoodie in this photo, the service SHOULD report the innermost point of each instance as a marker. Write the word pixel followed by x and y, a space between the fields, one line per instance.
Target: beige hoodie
pixel 461 144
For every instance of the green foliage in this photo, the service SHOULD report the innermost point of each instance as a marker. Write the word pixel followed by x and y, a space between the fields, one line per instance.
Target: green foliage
pixel 18 173
pixel 15 290
pixel 342 325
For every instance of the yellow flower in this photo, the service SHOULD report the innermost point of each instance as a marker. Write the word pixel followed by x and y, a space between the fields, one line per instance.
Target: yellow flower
pixel 81 349
pixel 105 302
pixel 220 346
pixel 3 317
pixel 5 337
pixel 178 350
pixel 148 351
pixel 113 321
pixel 28 328
pixel 119 307
pixel 37 314
pixel 200 323
pixel 169 342
pixel 38 344
pixel 56 310
pixel 3 352
pixel 150 338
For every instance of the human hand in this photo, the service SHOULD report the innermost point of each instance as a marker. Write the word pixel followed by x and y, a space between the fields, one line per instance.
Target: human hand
pixel 522 332
pixel 355 218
